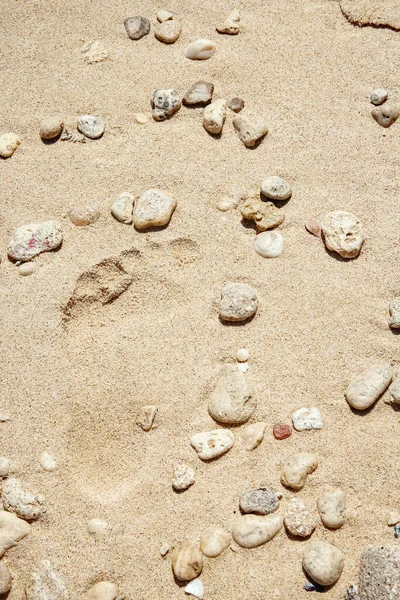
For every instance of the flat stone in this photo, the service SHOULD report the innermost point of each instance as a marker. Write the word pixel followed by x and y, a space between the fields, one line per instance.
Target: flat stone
pixel 323 562
pixel 313 226
pixel 238 302
pixel 276 188
pixel 269 244
pixel 331 506
pixel 282 431
pixel 187 561
pixel 146 417
pixel 154 208
pixel 236 104
pixel 253 435
pixel 298 520
pixel 5 579
pixel 199 92
pixel 379 577
pixel 12 530
pixel 9 142
pixel 25 504
pixel 164 15
pixel 137 27
pixel 232 24
pixel 195 588
pixel 26 269
pixel 307 418
pixel 91 126
pixel 94 52
pixel 184 477
pixel 201 49
pixel 394 390
pixel 264 214
pixel 250 531
pixel 141 118
pixel 165 103
pixel 214 540
pixel 365 389
pixel 211 444
pixel 261 501
pixel 168 31
pixel 343 233
pixel 46 584
pixel 386 115
pixel 214 116
pixel 84 215
pixel 51 127
pixel 104 590
pixel 231 400
pixel 297 468
pixel 379 96
pixel 35 238
pixel 394 312
pixel 250 128
pixel 122 208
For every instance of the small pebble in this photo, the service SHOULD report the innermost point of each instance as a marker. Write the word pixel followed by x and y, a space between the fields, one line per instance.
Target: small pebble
pixel 122 208
pixel 297 468
pixel 396 531
pixel 154 208
pixel 195 588
pixel 379 96
pixel 5 579
pixel 199 92
pixel 30 240
pixel 214 540
pixel 51 127
pixel 282 431
pixel 309 587
pixel 4 417
pixel 232 24
pixel 323 562
pixel 313 226
pixel 238 302
pixel 261 501
pixel 343 233
pixel 48 462
pixel 225 203
pixel 386 115
pixel 85 215
pixel 250 531
pixel 394 312
pixel 184 477
pixel 164 15
pixel 91 126
pixel 9 142
pixel 187 561
pixel 394 519
pixel 331 506
pixel 137 27
pixel 146 417
pixel 298 520
pixel 168 31
pixel 165 103
pixel 365 389
pixel 5 467
pixel 307 418
pixel 242 355
pixel 236 104
pixel 103 590
pixel 26 269
pixel 94 52
pixel 264 214
pixel 201 49
pixel 97 528
pixel 276 188
pixel 164 549
pixel 231 399
pixel 250 128
pixel 214 116
pixel 269 244
pixel 253 435
pixel 141 118
pixel 243 367
pixel 211 444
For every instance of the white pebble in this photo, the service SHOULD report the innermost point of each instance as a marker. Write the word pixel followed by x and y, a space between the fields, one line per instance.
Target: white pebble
pixel 307 418
pixel 26 269
pixel 48 462
pixel 122 208
pixel 214 116
pixel 253 435
pixel 164 15
pixel 9 142
pixel 4 466
pixel 269 244
pixel 164 549
pixel 97 528
pixel 195 588
pixel 242 355
pixel 141 118
pixel 243 367
pixel 200 49
pixel 365 389
pixel 379 96
pixel 211 444
pixel 225 203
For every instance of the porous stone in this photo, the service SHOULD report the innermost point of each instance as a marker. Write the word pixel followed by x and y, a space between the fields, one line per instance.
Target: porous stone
pixel 104 590
pixel 91 126
pixel 238 302
pixel 231 400
pixel 5 579
pixel 199 92
pixel 164 15
pixel 94 52
pixel 211 444
pixel 297 468
pixel 12 530
pixel 386 115
pixel 264 214
pixel 379 96
pixel 269 244
pixel 165 102
pixel 214 116
pixel 313 226
pixel 214 540
pixel 250 128
pixel 232 24
pixel 282 431
pixel 394 390
pixel 84 215
pixel 187 561
pixel 9 142
pixel 261 501
pixel 236 104
pixel 323 562
pixel 46 584
pixel 26 269
pixel 365 389
pixel 195 588
pixel 298 520
pixel 97 528
pixel 168 31
pixel 48 462
pixel 137 27
pixel 307 418
pixel 343 233
pixel 154 208
pixel 122 208
pixel 276 188
pixel 379 576
pixel 253 435
pixel 184 477
pixel 201 49
pixel 25 504
pixel 250 531
pixel 146 417
pixel 331 506
pixel 394 313
pixel 4 467
pixel 51 127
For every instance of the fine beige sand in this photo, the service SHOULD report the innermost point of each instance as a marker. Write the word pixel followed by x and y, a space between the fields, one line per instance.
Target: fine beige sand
pixel 74 386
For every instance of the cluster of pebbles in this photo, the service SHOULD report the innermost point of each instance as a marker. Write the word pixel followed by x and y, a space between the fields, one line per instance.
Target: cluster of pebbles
pixel 384 113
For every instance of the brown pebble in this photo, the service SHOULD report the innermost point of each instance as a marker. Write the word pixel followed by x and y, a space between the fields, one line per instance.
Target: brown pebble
pixel 313 226
pixel 282 431
pixel 386 115
pixel 236 104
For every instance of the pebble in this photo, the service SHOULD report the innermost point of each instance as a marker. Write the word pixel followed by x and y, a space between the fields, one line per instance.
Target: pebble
pixel 297 468
pixel 261 501
pixel 199 92
pixel 307 418
pixel 365 389
pixel 313 226
pixel 264 214
pixel 395 390
pixel 250 128
pixel 184 477
pixel 243 367
pixel 187 561
pixel 394 312
pixel 30 240
pixel 91 126
pixel 253 435
pixel 214 540
pixel 242 355
pixel 12 530
pixel 97 528
pixel 282 431
pixel 323 562
pixel 94 52
pixel 4 467
pixel 276 188
pixel 225 203
pixel 164 15
pixel 104 590
pixel 394 519
pixel 201 49
pixel 165 102
pixel 385 115
pixel 168 31
pixel 9 142
pixel 26 269
pixel 84 215
pixel 379 96
pixel 343 233
pixel 51 127
pixel 137 27
pixel 195 588
pixel 211 444
pixel 5 579
pixel 269 244
pixel 396 531
pixel 164 549
pixel 298 520
pixel 379 576
pixel 238 302
pixel 232 24
pixel 122 208
pixel 46 584
pixel 231 400
pixel 25 504
pixel 214 116
pixel 154 208
pixel 331 506
pixel 146 417
pixel 141 118
pixel 250 531
pixel 236 104
pixel 48 462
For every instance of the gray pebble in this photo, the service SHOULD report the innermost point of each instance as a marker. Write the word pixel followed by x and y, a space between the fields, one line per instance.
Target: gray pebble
pixel 276 188
pixel 261 501
pixel 51 127
pixel 379 96
pixel 137 27
pixel 91 126
pixel 394 312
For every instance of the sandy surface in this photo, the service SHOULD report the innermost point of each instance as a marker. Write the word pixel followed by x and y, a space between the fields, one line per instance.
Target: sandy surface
pixel 74 387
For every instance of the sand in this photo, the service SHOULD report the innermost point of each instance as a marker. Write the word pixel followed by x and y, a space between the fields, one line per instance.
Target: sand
pixel 74 387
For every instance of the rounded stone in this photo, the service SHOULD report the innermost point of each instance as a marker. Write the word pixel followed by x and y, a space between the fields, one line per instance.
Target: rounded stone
pixel 103 590
pixel 386 115
pixel 214 540
pixel 331 506
pixel 5 579
pixel 168 31
pixel 201 49
pixel 313 226
pixel 238 302
pixel 97 528
pixel 231 400
pixel 26 269
pixel 51 127
pixel 307 418
pixel 164 15
pixel 394 312
pixel 276 188
pixel 298 520
pixel 282 431
pixel 261 501
pixel 211 444
pixel 365 389
pixel 379 96
pixel 4 467
pixel 35 238
pixel 343 233
pixel 225 203
pixel 154 208
pixel 85 215
pixel 48 462
pixel 242 355
pixel 141 118
pixel 269 244
pixel 184 477
pixel 165 103
pixel 264 214
pixel 214 116
pixel 297 468
pixel 236 104
pixel 253 435
pixel 323 562
pixel 91 126
pixel 9 142
pixel 250 128
pixel 137 27
pixel 187 561
pixel 250 531
pixel 25 504
pixel 122 208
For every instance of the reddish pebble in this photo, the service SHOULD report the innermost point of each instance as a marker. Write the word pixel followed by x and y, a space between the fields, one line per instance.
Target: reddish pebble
pixel 236 104
pixel 313 226
pixel 282 431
